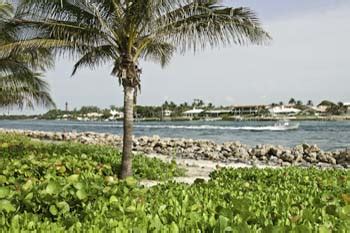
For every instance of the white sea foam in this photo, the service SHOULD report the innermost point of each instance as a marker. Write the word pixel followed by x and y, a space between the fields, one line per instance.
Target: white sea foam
pixel 212 127
pixel 165 126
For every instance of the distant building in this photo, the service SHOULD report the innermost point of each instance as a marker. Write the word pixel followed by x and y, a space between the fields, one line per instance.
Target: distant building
pixel 193 113
pixel 116 114
pixel 217 112
pixel 94 115
pixel 320 109
pixel 284 110
pixel 167 113
pixel 248 109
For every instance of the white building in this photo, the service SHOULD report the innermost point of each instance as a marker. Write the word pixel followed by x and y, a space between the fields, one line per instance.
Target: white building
pixel 116 114
pixel 194 112
pixel 284 110
pixel 320 109
pixel 94 115
pixel 167 113
pixel 217 112
pixel 239 110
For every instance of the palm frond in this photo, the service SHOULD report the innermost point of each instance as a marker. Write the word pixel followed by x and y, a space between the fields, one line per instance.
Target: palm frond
pixel 159 51
pixel 202 24
pixel 20 85
pixel 24 90
pixel 6 10
pixel 95 57
pixel 147 29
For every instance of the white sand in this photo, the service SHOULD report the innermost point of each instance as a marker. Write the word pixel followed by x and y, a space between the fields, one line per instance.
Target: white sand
pixel 196 169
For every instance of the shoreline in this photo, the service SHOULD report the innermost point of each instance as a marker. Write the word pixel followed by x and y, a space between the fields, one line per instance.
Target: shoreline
pixel 303 155
pixel 168 119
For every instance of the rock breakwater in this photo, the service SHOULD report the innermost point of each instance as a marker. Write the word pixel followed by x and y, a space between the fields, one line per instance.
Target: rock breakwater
pixel 301 155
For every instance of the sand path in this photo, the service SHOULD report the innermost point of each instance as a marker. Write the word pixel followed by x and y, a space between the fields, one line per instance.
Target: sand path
pixel 196 169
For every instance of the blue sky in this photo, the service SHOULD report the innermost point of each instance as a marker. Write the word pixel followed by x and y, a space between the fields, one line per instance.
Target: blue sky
pixel 307 59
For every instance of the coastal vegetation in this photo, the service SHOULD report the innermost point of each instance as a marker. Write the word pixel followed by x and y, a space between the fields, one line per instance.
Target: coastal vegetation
pixel 169 110
pixel 69 187
pixel 121 33
pixel 335 109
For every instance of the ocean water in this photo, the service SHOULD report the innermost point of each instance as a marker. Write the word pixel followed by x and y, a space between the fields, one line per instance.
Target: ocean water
pixel 327 135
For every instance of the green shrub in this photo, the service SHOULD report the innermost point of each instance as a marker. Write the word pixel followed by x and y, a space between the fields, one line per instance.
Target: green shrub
pixel 72 188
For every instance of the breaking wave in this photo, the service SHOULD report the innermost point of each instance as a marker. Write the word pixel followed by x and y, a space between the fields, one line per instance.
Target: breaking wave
pixel 182 127
pixel 212 127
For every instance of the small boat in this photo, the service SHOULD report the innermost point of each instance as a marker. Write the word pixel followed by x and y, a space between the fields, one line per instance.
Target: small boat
pixel 279 126
pixel 286 125
pixel 213 119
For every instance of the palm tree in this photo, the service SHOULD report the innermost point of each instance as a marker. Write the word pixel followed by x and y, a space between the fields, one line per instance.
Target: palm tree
pixel 20 84
pixel 292 101
pixel 210 106
pixel 299 103
pixel 342 108
pixel 122 32
pixel 310 103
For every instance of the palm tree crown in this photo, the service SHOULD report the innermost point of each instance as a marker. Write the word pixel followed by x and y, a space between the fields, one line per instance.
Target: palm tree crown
pixel 20 84
pixel 124 31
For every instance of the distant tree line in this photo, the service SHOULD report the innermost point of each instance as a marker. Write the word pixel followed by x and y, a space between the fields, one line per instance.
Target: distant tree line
pixel 140 111
pixel 57 113
pixel 177 110
pixel 335 109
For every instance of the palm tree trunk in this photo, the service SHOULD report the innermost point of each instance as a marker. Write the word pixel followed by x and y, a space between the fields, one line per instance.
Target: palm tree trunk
pixel 126 168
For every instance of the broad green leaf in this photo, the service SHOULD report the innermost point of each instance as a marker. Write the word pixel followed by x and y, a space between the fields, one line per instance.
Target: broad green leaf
pixel 109 179
pixel 4 192
pixel 28 185
pixel 53 210
pixel 81 194
pixel 78 185
pixel 346 210
pixel 2 179
pixel 63 206
pixel 222 221
pixel 7 206
pixel 323 229
pixel 53 188
pixel 113 199
pixel 73 179
pixel 130 209
pixel 174 228
pixel 31 225
pixel 131 181
pixel 29 196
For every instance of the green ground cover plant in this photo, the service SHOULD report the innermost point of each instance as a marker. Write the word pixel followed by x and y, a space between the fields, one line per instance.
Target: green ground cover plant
pixel 37 159
pixel 72 188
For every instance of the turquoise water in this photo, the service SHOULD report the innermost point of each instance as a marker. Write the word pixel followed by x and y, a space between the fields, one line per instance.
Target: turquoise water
pixel 327 135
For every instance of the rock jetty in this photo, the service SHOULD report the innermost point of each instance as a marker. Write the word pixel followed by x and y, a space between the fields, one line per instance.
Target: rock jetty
pixel 302 155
